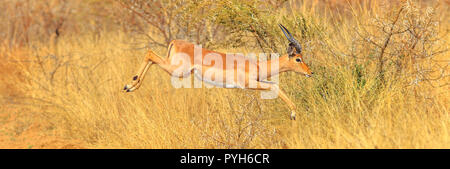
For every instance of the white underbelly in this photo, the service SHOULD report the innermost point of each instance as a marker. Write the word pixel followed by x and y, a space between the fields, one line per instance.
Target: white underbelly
pixel 198 76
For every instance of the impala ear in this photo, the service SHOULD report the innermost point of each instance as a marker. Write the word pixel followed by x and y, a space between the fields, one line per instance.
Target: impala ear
pixel 291 50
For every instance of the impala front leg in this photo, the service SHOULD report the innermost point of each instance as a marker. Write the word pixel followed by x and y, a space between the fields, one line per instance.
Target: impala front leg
pixel 280 93
pixel 288 101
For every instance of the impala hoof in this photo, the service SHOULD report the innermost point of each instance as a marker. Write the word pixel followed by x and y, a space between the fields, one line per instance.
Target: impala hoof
pixel 292 115
pixel 128 88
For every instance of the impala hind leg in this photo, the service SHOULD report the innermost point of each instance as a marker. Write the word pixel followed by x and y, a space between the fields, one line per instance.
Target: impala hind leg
pixel 139 77
pixel 149 60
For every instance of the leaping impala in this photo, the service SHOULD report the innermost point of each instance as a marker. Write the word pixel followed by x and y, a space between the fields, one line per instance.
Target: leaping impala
pixel 292 61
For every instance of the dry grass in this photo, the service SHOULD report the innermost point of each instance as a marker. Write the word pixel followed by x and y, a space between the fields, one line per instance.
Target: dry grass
pixel 67 94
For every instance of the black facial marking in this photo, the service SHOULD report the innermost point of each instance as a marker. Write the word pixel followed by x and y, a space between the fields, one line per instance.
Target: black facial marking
pixel 125 88
pixel 135 77
pixel 298 60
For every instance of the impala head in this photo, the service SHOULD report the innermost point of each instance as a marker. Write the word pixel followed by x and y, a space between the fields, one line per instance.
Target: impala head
pixel 294 52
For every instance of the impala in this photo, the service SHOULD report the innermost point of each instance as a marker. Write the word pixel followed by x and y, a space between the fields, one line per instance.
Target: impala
pixel 253 79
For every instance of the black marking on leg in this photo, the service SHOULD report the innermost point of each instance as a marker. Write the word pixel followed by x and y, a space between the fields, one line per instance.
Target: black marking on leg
pixel 135 77
pixel 128 90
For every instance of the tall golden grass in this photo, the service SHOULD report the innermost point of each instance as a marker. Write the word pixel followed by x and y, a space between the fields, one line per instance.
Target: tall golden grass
pixel 69 90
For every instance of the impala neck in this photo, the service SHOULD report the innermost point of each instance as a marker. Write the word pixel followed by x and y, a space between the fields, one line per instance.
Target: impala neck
pixel 282 62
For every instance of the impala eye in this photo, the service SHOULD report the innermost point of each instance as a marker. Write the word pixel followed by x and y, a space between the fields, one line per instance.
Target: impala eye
pixel 298 60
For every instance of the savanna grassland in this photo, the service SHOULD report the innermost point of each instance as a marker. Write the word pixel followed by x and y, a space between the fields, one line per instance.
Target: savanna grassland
pixel 381 75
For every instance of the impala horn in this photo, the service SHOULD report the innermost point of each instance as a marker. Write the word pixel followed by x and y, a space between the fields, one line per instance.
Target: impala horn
pixel 291 39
